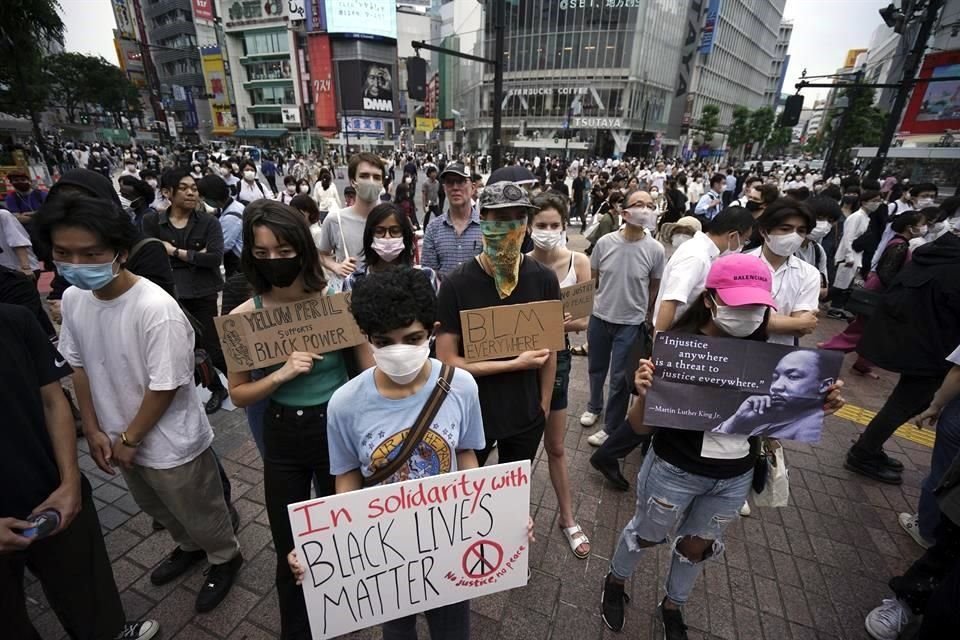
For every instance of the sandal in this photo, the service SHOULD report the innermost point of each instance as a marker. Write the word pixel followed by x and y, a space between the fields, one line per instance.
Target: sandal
pixel 579 351
pixel 863 371
pixel 576 537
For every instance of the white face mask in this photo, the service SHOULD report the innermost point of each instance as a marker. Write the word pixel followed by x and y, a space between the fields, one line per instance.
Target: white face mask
pixel 953 225
pixel 291 189
pixel 402 362
pixel 641 217
pixel 739 322
pixel 225 171
pixel 152 183
pixel 678 239
pixel 785 245
pixel 388 248
pixel 368 190
pixel 131 168
pixel 923 203
pixel 304 189
pixel 547 239
pixel 820 231
pixel 870 207
pixel 249 176
pixel 920 231
pixel 732 248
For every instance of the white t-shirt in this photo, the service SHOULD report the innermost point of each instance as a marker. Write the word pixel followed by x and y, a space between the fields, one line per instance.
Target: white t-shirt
pixel 954 358
pixel 138 341
pixel 13 236
pixel 796 287
pixel 685 276
pixel 332 239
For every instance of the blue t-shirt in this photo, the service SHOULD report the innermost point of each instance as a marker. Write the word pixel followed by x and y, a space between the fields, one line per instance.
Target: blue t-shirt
pixel 364 429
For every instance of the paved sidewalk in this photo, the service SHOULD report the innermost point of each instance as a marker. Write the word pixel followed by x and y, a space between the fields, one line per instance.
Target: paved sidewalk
pixel 811 570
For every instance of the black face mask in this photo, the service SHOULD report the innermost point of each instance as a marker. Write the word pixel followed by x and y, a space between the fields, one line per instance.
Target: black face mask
pixel 279 272
pixel 753 206
pixel 325 182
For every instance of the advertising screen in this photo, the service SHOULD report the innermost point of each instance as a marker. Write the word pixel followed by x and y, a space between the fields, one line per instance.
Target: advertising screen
pixel 366 87
pixel 362 17
pixel 935 106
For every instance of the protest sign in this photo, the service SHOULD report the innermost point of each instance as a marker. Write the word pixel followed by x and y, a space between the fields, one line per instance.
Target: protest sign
pixel 735 386
pixel 393 550
pixel 501 332
pixel 268 336
pixel 578 299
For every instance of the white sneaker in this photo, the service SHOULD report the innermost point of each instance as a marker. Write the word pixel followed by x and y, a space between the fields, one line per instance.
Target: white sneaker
pixel 140 630
pixel 588 418
pixel 745 510
pixel 888 620
pixel 598 438
pixel 911 524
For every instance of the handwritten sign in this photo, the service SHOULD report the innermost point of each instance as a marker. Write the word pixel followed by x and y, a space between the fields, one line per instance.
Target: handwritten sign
pixel 578 299
pixel 393 550
pixel 501 332
pixel 268 336
pixel 739 387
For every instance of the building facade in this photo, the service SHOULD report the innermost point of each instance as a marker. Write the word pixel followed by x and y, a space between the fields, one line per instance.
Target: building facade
pixel 778 65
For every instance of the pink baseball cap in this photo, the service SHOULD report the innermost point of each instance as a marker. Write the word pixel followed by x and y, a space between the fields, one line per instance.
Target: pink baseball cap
pixel 740 280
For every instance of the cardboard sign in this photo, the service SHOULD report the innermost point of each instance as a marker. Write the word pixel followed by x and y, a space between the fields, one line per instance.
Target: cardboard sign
pixel 264 337
pixel 578 299
pixel 393 550
pixel 742 387
pixel 502 332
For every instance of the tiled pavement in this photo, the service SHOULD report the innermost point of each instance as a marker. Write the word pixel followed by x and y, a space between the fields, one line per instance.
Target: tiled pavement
pixel 811 570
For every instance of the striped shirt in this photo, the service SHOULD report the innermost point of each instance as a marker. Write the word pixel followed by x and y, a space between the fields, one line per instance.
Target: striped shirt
pixel 444 250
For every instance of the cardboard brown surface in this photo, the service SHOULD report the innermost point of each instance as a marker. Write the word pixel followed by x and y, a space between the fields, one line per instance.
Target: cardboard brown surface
pixel 578 299
pixel 492 333
pixel 264 337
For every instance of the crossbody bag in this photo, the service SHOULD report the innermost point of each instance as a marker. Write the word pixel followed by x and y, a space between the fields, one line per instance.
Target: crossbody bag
pixel 420 427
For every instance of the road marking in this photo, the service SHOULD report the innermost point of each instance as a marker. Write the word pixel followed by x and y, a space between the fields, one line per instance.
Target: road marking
pixel 907 431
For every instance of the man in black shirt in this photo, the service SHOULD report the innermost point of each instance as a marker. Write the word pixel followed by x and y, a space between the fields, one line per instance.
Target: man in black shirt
pixel 39 471
pixel 515 393
pixel 577 208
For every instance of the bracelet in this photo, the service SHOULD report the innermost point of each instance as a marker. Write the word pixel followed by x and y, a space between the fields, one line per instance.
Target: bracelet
pixel 127 443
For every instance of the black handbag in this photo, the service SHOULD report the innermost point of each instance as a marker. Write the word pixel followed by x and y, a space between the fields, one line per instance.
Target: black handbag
pixel 863 302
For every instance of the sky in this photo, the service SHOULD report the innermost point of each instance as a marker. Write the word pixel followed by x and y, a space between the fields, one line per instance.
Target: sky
pixel 823 31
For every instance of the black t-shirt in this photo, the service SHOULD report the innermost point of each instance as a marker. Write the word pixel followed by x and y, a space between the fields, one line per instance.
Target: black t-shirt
pixel 682 447
pixel 579 185
pixel 28 469
pixel 509 402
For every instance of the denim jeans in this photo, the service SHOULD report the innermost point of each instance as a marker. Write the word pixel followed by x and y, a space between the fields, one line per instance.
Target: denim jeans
pixel 666 496
pixel 451 622
pixel 610 348
pixel 295 440
pixel 945 449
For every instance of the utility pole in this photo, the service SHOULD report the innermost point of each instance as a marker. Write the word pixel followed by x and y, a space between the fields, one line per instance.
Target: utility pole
pixel 910 67
pixel 498 20
pixel 566 135
pixel 851 92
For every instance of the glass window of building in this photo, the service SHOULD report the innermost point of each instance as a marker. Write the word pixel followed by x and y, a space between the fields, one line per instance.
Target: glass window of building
pixel 261 42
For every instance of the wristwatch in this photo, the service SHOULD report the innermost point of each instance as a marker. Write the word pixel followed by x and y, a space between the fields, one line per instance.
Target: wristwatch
pixel 127 443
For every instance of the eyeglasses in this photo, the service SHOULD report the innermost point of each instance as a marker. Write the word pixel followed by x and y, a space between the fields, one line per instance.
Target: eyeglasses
pixel 395 231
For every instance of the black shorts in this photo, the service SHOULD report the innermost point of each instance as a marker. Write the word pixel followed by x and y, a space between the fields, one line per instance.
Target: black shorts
pixel 561 383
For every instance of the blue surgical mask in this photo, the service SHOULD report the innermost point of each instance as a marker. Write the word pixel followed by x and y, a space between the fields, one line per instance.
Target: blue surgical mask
pixel 90 277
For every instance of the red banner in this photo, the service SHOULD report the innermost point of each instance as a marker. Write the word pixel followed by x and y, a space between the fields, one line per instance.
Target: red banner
pixel 935 106
pixel 203 10
pixel 321 82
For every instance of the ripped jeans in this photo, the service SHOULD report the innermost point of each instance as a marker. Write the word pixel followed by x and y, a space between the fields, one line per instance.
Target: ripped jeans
pixel 670 499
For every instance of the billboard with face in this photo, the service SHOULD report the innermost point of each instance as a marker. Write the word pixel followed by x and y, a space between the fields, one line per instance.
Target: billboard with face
pixel 366 87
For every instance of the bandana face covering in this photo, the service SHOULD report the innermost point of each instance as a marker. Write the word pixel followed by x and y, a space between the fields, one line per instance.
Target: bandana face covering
pixel 501 244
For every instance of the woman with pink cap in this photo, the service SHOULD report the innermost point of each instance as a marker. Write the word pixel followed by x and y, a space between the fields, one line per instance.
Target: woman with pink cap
pixel 692 484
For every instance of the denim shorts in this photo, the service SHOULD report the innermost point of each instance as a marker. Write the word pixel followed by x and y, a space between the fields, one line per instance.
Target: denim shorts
pixel 671 500
pixel 561 383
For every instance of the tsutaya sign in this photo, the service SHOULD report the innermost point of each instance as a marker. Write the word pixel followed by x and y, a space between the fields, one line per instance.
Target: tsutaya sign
pixel 596 123
pixel 393 550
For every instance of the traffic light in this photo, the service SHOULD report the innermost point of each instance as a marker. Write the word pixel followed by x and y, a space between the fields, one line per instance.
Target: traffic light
pixel 417 79
pixel 791 111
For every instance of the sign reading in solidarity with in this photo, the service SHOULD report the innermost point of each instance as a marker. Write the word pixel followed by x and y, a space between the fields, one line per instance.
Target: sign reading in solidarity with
pixel 264 337
pixel 501 332
pixel 393 550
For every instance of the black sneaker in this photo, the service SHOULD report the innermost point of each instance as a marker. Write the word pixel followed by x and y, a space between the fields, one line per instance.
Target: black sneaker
pixel 672 622
pixel 891 463
pixel 612 600
pixel 176 564
pixel 873 467
pixel 217 586
pixel 217 396
pixel 611 473
pixel 142 630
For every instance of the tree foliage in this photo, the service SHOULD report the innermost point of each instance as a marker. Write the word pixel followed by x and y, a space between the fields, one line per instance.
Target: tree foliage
pixel 739 132
pixel 780 138
pixel 78 81
pixel 709 121
pixel 863 123
pixel 26 26
pixel 761 124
